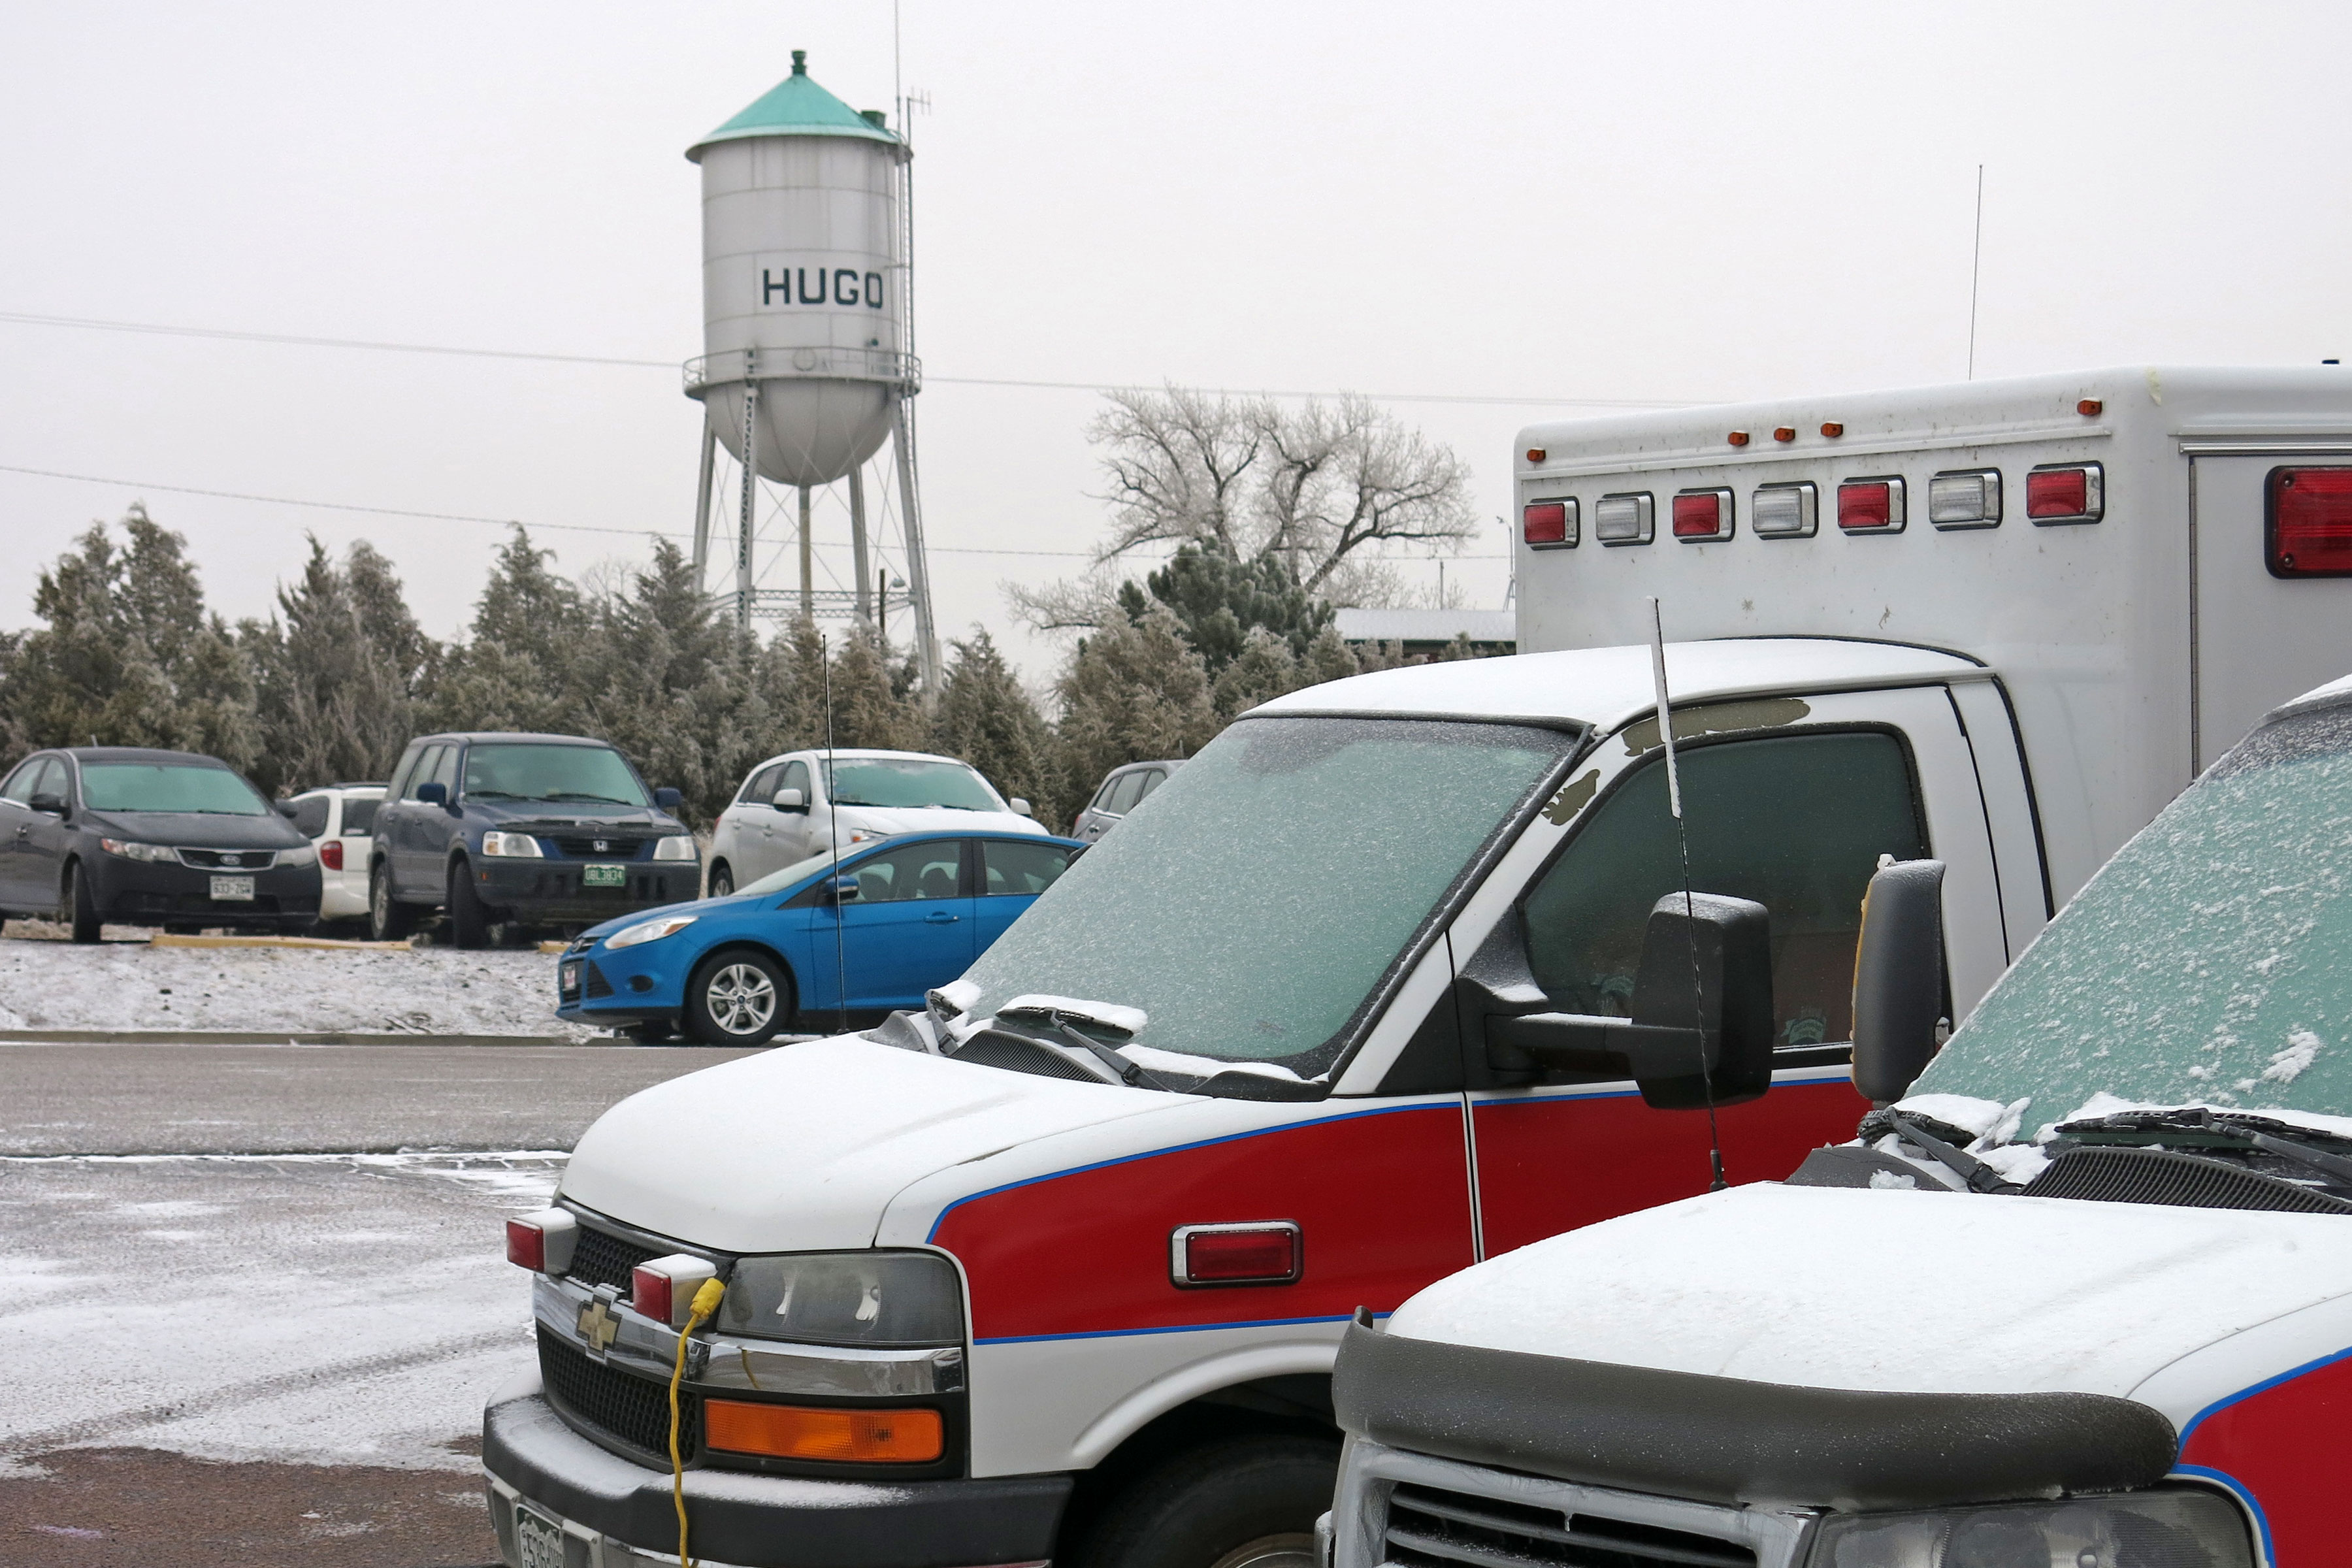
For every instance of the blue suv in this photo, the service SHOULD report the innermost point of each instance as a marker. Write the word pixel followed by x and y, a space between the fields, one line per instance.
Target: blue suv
pixel 541 829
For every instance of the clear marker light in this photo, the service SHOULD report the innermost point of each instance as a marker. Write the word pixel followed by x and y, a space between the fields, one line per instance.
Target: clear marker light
pixel 1625 519
pixel 1785 511
pixel 1965 497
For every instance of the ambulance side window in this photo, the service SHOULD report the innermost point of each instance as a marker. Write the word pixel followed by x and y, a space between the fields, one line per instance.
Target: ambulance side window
pixel 1796 822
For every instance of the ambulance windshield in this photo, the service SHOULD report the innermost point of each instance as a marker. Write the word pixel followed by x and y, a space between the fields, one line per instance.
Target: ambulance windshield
pixel 1252 906
pixel 2210 963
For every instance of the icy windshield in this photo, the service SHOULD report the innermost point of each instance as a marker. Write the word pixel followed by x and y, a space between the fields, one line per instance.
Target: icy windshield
pixel 2210 962
pixel 168 787
pixel 1250 905
pixel 595 775
pixel 908 784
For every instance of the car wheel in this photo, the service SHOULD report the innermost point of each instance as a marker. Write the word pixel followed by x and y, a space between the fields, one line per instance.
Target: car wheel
pixel 389 919
pixel 722 880
pixel 1245 1502
pixel 469 919
pixel 737 997
pixel 76 905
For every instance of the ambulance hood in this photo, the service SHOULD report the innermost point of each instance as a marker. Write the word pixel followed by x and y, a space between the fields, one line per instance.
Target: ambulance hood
pixel 801 1147
pixel 1894 1291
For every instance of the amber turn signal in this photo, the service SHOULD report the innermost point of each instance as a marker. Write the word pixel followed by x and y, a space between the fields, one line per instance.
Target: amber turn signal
pixel 1738 438
pixel 1536 454
pixel 2090 407
pixel 798 1432
pixel 1785 432
pixel 1832 429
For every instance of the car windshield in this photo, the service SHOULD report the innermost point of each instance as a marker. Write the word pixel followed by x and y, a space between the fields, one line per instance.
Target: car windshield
pixel 907 783
pixel 2207 962
pixel 777 881
pixel 1252 905
pixel 168 787
pixel 508 770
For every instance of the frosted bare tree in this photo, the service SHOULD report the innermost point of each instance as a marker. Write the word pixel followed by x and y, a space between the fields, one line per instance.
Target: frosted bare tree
pixel 1326 488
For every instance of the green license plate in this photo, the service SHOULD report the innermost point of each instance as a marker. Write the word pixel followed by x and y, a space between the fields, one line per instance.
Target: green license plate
pixel 603 875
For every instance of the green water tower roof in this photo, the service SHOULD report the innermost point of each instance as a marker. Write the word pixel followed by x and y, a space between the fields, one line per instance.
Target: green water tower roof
pixel 796 106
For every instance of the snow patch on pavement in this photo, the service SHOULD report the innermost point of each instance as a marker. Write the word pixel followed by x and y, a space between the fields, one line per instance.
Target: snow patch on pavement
pixel 262 991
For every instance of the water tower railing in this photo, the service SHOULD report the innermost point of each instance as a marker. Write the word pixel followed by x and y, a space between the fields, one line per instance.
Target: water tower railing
pixel 810 363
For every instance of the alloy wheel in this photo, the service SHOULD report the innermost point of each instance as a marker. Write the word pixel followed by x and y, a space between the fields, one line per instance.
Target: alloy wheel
pixel 739 998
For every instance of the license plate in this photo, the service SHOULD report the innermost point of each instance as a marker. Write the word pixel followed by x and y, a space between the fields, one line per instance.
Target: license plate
pixel 233 887
pixel 603 875
pixel 539 1541
pixel 567 981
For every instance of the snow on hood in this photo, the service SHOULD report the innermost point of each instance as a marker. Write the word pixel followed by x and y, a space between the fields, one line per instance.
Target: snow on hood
pixel 1862 1289
pixel 804 1147
pixel 895 819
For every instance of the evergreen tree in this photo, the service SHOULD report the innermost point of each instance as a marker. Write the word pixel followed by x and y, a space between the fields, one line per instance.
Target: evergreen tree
pixel 1262 670
pixel 984 718
pixel 340 679
pixel 1219 601
pixel 869 708
pixel 1134 691
pixel 529 626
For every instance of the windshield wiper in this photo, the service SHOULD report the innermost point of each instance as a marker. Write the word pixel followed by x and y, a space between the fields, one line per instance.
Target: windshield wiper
pixel 2285 1140
pixel 583 795
pixel 494 795
pixel 1132 1072
pixel 1980 1177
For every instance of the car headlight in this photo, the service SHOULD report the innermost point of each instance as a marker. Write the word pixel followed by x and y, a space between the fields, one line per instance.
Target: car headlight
pixel 306 855
pixel 519 845
pixel 649 931
pixel 846 1298
pixel 676 847
pixel 131 849
pixel 2136 1530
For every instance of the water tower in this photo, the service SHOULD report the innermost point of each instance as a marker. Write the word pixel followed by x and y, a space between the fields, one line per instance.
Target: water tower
pixel 808 337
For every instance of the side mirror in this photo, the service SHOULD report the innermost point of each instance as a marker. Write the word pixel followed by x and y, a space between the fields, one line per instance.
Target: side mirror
pixel 434 794
pixel 790 800
pixel 1682 1050
pixel 53 805
pixel 667 799
pixel 285 808
pixel 1020 807
pixel 841 890
pixel 1899 978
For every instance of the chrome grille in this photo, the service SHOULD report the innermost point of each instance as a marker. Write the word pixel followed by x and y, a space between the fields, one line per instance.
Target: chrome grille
pixel 229 859
pixel 633 1411
pixel 1432 1528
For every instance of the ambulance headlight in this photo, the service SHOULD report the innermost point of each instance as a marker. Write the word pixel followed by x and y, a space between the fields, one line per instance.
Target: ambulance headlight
pixel 846 1298
pixel 2140 1529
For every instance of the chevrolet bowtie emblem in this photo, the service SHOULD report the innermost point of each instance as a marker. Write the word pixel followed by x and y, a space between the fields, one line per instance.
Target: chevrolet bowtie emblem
pixel 597 1326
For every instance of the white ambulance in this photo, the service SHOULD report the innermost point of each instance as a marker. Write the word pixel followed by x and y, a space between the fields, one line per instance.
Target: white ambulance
pixel 1057 1269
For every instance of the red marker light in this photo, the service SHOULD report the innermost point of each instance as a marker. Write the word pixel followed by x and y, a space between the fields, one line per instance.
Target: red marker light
pixel 1544 522
pixel 649 1292
pixel 1871 506
pixel 2308 531
pixel 526 1245
pixel 1269 1252
pixel 664 1288
pixel 1703 515
pixel 330 854
pixel 2072 492
pixel 542 1240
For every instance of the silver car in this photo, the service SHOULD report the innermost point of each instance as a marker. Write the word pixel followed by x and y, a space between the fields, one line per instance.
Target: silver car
pixel 1123 789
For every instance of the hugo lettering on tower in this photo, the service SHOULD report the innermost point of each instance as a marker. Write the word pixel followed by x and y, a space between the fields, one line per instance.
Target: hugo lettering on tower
pixel 808 338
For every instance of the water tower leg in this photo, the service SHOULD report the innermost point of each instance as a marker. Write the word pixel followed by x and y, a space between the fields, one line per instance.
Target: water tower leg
pixel 857 541
pixel 808 561
pixel 919 571
pixel 745 522
pixel 702 500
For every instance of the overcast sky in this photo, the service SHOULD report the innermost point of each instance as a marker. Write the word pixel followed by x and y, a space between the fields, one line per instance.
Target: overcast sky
pixel 1549 202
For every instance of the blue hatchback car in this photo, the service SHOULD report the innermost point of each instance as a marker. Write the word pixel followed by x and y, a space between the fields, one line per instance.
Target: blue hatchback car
pixel 818 940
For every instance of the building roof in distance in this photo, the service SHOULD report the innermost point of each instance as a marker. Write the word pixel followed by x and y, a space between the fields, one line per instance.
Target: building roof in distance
pixel 796 106
pixel 1484 627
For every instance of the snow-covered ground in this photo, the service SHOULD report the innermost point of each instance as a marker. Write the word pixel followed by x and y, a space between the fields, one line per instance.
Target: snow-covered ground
pixel 424 991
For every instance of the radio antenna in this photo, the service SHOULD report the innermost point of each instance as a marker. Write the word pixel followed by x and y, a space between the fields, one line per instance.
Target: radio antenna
pixel 832 848
pixel 1690 910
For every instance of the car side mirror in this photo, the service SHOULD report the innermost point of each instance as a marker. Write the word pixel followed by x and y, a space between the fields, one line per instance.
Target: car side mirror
pixel 1682 1050
pixel 667 799
pixel 434 794
pixel 790 800
pixel 286 808
pixel 55 804
pixel 1020 807
pixel 1899 978
pixel 841 890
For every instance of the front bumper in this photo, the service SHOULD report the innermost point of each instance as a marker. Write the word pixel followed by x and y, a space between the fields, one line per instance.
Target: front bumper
pixel 617 1514
pixel 143 892
pixel 647 982
pixel 554 891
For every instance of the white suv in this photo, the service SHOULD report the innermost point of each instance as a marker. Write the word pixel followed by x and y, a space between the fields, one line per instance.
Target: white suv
pixel 800 805
pixel 340 819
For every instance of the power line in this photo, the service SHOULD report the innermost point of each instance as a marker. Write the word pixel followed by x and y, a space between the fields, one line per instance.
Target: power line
pixel 288 339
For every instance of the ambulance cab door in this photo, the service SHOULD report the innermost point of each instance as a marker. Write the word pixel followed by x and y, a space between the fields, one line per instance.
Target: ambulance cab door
pixel 1786 801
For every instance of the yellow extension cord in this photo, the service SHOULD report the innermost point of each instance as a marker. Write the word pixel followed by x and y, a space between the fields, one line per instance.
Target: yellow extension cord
pixel 705 1303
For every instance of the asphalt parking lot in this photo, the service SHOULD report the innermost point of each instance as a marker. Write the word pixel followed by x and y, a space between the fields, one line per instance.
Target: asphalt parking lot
pixel 254 1293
